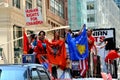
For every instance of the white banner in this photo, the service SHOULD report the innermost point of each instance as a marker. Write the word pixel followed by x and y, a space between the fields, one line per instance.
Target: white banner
pixel 33 16
pixel 105 40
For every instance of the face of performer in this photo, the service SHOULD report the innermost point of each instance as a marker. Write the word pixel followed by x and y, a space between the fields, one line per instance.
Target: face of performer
pixel 89 32
pixel 32 37
pixel 102 38
pixel 56 35
pixel 41 35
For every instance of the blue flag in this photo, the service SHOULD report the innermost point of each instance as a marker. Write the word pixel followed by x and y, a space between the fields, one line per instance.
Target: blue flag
pixel 78 46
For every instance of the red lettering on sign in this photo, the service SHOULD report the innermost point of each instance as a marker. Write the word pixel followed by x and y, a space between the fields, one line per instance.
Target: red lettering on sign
pixel 33 18
pixel 34 23
pixel 31 10
pixel 32 14
pixel 96 39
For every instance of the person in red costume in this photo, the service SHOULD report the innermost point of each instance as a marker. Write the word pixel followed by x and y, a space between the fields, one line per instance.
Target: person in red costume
pixel 56 37
pixel 109 59
pixel 92 50
pixel 56 53
pixel 40 48
pixel 91 39
pixel 112 54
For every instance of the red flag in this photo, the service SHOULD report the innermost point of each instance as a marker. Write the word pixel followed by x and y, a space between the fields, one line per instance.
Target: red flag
pixel 40 50
pixel 25 43
pixel 111 55
pixel 57 53
pixel 83 67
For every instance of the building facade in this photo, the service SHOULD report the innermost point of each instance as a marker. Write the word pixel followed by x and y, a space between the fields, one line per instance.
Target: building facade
pixel 108 16
pixel 91 13
pixel 99 14
pixel 117 2
pixel 76 13
pixel 12 22
pixel 96 14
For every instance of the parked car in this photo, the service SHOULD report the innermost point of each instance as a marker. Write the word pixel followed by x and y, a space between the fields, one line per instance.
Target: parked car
pixel 23 72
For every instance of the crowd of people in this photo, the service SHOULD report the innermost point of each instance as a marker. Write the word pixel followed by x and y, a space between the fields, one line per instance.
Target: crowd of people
pixel 38 46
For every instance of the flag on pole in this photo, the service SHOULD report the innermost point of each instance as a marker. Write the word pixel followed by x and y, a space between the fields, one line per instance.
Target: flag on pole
pixel 25 43
pixel 78 46
pixel 83 65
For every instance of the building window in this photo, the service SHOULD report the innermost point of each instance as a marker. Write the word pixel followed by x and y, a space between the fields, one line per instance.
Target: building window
pixel 17 33
pixel 16 3
pixel 39 4
pixel 1 52
pixel 90 5
pixel 91 18
pixel 48 21
pixel 119 6
pixel 117 0
pixel 28 4
pixel 17 36
pixel 57 7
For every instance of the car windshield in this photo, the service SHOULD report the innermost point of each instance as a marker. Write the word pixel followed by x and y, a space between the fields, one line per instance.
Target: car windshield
pixel 12 73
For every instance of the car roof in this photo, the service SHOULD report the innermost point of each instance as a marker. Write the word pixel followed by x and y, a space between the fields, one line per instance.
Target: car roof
pixel 23 65
pixel 90 79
